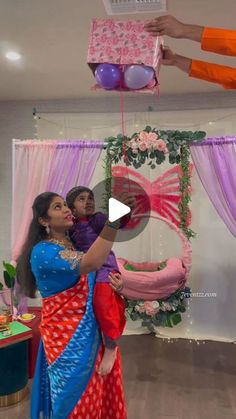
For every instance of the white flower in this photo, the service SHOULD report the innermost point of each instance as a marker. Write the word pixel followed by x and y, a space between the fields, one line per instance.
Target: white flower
pixel 134 146
pixel 155 304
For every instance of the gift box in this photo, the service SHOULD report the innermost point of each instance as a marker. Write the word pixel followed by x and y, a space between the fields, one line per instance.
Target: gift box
pixel 124 44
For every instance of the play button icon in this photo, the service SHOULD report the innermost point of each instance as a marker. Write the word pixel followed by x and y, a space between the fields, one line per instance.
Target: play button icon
pixel 117 210
pixel 132 221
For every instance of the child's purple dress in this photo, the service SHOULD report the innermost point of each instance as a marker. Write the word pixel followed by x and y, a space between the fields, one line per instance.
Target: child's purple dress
pixel 108 306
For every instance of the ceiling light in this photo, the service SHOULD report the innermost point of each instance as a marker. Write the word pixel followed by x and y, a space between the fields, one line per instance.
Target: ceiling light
pixel 13 56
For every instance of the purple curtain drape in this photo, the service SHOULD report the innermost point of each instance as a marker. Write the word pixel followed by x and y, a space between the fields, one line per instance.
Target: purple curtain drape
pixel 74 164
pixel 215 162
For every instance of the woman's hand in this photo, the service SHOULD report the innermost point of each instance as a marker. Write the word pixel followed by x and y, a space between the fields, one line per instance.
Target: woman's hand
pixel 170 26
pixel 179 61
pixel 117 282
pixel 166 25
pixel 168 56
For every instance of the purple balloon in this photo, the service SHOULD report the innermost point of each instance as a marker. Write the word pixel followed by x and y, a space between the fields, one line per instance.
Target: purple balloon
pixel 138 76
pixel 108 76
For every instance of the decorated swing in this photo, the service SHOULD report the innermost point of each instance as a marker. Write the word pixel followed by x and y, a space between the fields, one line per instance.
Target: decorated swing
pixel 156 292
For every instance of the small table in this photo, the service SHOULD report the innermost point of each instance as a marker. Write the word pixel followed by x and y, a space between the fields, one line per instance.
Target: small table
pixel 34 341
pixel 14 364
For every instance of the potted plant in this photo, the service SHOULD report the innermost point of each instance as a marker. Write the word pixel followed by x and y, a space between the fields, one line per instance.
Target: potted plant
pixel 6 293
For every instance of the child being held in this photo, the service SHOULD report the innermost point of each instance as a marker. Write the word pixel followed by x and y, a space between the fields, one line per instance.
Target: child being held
pixel 109 307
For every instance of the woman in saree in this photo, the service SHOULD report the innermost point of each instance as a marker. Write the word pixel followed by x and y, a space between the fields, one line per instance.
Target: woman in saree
pixel 67 383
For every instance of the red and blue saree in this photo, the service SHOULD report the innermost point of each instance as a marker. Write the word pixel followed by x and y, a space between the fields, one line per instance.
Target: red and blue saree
pixel 66 382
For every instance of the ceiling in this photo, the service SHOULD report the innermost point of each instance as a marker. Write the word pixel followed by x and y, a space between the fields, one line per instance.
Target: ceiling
pixel 52 36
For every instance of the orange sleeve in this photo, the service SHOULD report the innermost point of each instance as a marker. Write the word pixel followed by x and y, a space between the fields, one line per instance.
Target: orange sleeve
pixel 221 41
pixel 215 73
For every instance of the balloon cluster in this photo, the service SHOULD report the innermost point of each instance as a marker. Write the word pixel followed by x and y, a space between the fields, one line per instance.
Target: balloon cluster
pixel 132 77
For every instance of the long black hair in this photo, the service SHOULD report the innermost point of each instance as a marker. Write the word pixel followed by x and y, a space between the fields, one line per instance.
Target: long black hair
pixel 36 233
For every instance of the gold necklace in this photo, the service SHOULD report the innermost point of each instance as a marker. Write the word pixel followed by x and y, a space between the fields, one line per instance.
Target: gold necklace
pixel 68 245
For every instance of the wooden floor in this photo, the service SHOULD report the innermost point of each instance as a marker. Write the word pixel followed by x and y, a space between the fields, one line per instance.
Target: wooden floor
pixel 179 380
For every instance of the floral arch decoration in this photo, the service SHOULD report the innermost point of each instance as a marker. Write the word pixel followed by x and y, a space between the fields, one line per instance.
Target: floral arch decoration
pixel 153 147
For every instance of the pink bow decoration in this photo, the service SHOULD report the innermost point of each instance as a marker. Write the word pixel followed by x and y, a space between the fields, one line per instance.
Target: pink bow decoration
pixel 161 196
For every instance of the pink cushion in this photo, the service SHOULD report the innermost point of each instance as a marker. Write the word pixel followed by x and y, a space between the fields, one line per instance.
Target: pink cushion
pixel 152 285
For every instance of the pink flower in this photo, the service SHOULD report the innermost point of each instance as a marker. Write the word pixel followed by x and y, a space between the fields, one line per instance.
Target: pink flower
pixel 149 43
pixel 140 309
pixel 166 150
pixel 149 309
pixel 108 50
pixel 142 146
pixel 159 145
pixel 115 40
pixel 111 24
pixel 148 144
pixel 138 27
pixel 137 52
pixel 143 136
pixel 166 307
pixel 125 51
pixel 133 38
pixel 152 136
pixel 92 51
pixel 103 38
pixel 128 25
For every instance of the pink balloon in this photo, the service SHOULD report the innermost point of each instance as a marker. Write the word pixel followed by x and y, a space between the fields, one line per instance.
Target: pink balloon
pixel 138 76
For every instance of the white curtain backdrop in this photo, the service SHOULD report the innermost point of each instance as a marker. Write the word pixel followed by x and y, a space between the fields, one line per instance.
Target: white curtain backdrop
pixel 213 271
